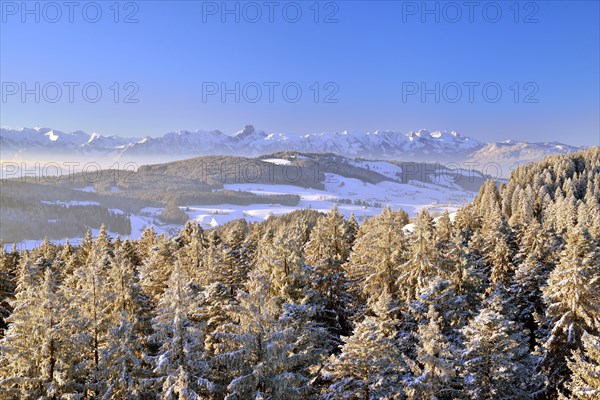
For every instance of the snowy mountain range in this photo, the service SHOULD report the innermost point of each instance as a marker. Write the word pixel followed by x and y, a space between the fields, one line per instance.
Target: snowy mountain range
pixel 419 146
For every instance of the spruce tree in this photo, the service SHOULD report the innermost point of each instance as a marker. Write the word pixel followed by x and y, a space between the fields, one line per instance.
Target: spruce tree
pixel 146 242
pixel 180 367
pixel 423 264
pixel 352 228
pixel 87 298
pixel 498 253
pixel 281 261
pixel 7 287
pixel 573 304
pixel 370 364
pixel 269 351
pixel 220 265
pixel 495 359
pixel 129 324
pixel 585 370
pixel 325 252
pixel 156 268
pixel 377 253
pixel 32 353
pixel 534 260
pixel 433 370
pixel 446 248
pixel 194 253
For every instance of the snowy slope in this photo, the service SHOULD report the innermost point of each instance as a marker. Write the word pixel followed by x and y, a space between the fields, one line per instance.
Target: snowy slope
pixel 345 192
pixel 510 154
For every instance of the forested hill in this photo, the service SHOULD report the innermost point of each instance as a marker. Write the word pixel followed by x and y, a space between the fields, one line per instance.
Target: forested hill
pixel 500 302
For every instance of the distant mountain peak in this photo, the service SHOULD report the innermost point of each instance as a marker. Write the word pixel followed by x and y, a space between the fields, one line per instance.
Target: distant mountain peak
pixel 94 136
pixel 422 145
pixel 247 131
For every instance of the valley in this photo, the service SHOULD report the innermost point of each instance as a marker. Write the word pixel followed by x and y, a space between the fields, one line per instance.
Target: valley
pixel 214 190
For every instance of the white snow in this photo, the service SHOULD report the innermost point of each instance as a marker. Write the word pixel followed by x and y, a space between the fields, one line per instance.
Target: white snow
pixel 52 136
pixel 385 168
pixel 411 227
pixel 277 161
pixel 71 203
pixel 89 189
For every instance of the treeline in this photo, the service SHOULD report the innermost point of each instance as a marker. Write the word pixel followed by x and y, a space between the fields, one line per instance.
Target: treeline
pixel 28 220
pixel 32 211
pixel 236 197
pixel 216 171
pixel 500 302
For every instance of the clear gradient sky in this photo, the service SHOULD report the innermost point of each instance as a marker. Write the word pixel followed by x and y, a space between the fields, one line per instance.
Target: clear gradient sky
pixel 376 54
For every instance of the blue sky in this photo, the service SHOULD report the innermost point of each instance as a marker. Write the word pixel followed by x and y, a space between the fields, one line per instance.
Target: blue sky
pixel 374 58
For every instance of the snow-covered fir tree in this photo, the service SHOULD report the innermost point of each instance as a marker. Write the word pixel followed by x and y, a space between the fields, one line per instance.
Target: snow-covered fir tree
pixel 268 351
pixel 572 296
pixel 180 366
pixel 370 364
pixel 32 358
pixel 496 359
pixel 422 265
pixel 125 349
pixel 434 367
pixel 585 370
pixel 377 253
pixel 87 298
pixel 325 253
pixel 156 268
pixel 8 271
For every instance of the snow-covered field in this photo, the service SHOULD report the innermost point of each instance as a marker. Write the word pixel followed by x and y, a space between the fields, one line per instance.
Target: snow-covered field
pixel 383 167
pixel 410 197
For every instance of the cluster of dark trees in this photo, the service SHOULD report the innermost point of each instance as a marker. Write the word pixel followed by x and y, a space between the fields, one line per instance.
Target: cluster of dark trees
pixel 499 301
pixel 27 220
